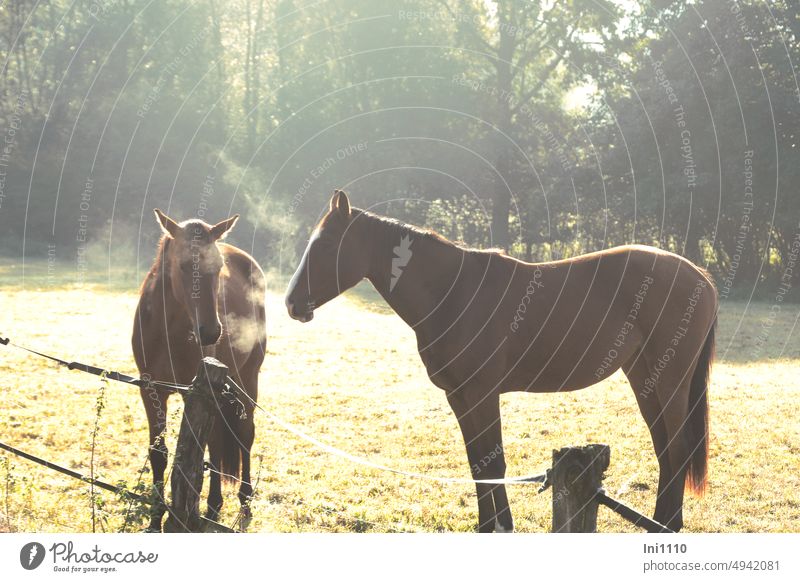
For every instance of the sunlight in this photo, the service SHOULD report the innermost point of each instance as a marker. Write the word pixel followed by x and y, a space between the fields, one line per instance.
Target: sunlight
pixel 579 97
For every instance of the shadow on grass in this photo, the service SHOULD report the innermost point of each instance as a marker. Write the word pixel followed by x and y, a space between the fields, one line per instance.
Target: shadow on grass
pixel 756 331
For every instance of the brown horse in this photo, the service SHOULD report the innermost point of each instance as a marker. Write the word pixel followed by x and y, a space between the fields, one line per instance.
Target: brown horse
pixel 201 298
pixel 487 323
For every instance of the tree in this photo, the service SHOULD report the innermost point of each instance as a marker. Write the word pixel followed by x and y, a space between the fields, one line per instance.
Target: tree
pixel 532 51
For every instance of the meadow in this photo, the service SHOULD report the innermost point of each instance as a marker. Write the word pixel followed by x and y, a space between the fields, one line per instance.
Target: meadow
pixel 352 379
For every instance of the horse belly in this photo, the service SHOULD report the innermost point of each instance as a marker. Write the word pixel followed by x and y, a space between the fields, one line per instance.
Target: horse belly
pixel 587 355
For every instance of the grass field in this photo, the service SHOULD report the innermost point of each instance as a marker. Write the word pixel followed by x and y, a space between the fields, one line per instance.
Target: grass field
pixel 352 378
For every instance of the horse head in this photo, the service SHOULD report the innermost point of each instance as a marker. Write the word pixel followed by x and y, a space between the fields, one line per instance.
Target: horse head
pixel 194 262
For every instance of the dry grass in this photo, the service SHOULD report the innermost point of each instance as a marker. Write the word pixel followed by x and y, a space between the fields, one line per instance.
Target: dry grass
pixel 352 378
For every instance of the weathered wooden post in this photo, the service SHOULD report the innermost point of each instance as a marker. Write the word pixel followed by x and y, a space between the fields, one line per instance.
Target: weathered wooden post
pixel 576 476
pixel 199 411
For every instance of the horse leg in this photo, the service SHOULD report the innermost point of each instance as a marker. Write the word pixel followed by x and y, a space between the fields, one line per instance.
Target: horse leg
pixel 155 405
pixel 247 436
pixel 637 373
pixel 487 418
pixel 247 432
pixel 215 479
pixel 480 427
pixel 675 404
pixel 666 397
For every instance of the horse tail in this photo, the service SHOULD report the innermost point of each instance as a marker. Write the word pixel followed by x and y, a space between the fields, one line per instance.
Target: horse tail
pixel 697 421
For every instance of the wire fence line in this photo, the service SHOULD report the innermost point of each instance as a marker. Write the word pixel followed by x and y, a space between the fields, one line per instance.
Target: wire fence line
pixel 600 497
pixel 125 493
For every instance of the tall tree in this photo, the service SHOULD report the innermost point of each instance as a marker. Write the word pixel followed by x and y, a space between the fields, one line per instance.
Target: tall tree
pixel 532 49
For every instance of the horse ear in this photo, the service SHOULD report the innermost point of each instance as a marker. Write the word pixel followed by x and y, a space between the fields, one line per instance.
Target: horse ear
pixel 169 226
pixel 341 203
pixel 220 230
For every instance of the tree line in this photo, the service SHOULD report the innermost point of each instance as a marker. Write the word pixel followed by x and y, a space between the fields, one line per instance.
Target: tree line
pixel 545 128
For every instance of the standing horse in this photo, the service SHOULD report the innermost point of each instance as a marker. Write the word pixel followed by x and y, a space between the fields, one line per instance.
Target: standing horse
pixel 201 298
pixel 487 324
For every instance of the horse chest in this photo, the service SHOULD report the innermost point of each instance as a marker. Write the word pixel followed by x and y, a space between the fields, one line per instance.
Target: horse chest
pixel 452 365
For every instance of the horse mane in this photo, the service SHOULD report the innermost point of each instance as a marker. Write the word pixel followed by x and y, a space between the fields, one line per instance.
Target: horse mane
pixel 395 228
pixel 156 268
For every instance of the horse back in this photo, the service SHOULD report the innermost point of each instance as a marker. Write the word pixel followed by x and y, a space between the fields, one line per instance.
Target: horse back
pixel 547 326
pixel 595 312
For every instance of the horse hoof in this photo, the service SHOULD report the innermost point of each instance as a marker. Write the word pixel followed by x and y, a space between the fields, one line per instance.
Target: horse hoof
pixel 500 528
pixel 212 514
pixel 246 518
pixel 151 529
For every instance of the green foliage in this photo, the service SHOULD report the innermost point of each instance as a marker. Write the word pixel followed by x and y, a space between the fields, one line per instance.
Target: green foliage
pixel 136 512
pixel 441 111
pixel 95 497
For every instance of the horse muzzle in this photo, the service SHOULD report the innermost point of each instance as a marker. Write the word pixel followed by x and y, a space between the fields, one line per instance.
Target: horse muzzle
pixel 303 315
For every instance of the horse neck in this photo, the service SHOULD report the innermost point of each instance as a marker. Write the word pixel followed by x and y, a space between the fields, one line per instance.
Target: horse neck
pixel 423 273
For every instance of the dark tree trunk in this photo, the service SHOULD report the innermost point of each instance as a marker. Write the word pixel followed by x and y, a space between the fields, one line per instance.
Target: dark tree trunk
pixel 501 197
pixel 501 207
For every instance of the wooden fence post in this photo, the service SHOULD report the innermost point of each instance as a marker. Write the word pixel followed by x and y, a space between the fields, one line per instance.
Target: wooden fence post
pixel 576 476
pixel 199 412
